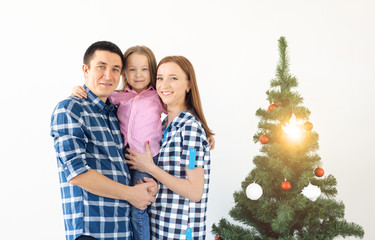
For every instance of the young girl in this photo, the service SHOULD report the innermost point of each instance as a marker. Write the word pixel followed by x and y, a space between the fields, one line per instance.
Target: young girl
pixel 183 167
pixel 139 112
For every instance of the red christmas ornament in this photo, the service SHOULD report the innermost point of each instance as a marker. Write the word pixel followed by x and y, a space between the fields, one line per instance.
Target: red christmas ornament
pixel 271 107
pixel 218 238
pixel 319 172
pixel 263 139
pixel 286 185
pixel 308 126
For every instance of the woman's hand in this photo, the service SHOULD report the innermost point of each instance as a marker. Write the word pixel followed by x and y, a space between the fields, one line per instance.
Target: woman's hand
pixel 79 91
pixel 140 161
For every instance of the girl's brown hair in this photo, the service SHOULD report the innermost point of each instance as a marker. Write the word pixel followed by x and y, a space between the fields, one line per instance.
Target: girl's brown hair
pixel 192 98
pixel 151 63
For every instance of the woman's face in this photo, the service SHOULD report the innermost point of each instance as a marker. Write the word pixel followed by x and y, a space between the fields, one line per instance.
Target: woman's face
pixel 172 85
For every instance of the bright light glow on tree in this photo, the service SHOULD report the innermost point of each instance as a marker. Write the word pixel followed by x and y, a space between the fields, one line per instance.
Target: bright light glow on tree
pixel 293 129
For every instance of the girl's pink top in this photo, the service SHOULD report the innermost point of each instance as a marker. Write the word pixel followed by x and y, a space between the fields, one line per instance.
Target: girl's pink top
pixel 140 118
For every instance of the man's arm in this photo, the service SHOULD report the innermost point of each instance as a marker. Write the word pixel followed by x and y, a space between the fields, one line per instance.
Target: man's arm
pixel 70 145
pixel 98 184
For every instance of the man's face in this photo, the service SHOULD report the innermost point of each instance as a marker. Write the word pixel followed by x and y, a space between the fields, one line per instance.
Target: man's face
pixel 103 73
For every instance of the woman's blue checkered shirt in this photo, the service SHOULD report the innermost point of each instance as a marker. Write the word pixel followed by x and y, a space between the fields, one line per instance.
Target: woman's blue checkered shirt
pixel 171 214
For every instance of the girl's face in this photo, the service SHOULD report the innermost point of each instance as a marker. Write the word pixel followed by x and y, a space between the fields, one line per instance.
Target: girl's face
pixel 137 72
pixel 172 85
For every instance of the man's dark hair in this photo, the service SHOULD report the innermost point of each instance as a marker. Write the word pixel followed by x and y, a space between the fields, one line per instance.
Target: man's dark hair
pixel 105 46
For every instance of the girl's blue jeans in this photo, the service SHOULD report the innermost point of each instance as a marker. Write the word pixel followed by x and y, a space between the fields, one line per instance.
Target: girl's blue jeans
pixel 139 218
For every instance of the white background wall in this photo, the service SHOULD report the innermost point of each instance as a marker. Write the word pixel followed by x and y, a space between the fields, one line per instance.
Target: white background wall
pixel 233 46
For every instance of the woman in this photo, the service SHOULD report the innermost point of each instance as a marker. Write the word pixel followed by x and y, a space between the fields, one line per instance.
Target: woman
pixel 183 167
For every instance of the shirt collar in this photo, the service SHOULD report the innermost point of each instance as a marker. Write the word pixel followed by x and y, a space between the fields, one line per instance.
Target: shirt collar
pixel 180 119
pixel 128 89
pixel 99 104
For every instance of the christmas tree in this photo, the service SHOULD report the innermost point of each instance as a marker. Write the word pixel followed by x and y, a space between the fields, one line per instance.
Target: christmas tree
pixel 286 195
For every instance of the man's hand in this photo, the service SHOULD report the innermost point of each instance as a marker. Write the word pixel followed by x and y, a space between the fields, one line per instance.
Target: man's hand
pixel 153 190
pixel 139 195
pixel 96 183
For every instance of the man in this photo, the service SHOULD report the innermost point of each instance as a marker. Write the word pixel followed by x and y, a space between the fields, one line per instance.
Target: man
pixel 94 177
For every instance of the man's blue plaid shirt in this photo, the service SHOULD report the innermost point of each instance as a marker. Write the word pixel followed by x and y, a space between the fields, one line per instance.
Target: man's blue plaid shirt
pixel 87 136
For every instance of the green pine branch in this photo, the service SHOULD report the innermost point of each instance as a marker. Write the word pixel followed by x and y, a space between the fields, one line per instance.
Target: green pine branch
pixel 228 231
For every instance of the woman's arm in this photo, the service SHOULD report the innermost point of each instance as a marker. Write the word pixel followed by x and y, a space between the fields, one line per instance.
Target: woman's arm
pixel 191 188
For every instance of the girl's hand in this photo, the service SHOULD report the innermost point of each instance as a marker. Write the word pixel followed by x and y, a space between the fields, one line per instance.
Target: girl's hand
pixel 140 161
pixel 211 141
pixel 79 91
